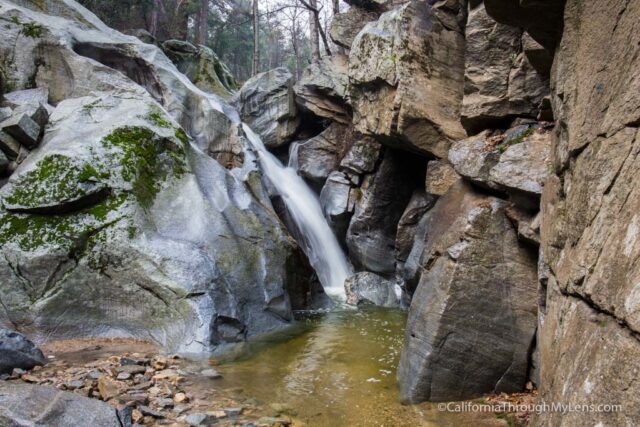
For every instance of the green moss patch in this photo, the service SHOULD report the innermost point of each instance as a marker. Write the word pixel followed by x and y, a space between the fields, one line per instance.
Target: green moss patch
pixel 147 160
pixel 55 178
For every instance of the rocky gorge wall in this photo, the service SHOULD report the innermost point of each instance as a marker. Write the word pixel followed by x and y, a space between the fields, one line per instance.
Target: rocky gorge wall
pixel 476 161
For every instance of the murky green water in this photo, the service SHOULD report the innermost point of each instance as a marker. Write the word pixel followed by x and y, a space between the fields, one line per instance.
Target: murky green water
pixel 336 369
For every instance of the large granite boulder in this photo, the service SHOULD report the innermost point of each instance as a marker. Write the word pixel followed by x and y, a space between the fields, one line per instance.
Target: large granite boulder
pixel 120 223
pixel 202 66
pixel 320 155
pixel 406 74
pixel 516 161
pixel 540 18
pixel 590 221
pixel 346 25
pixel 16 351
pixel 381 201
pixel 35 405
pixel 473 316
pixel 322 89
pixel 500 82
pixel 266 103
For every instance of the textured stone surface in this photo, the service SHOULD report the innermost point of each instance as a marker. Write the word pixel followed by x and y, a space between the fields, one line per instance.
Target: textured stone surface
pixel 406 75
pixel 419 204
pixel 34 405
pixel 516 161
pixel 369 288
pixel 320 155
pixel 334 199
pixel 202 66
pixel 322 89
pixel 346 25
pixel 590 220
pixel 500 83
pixel 267 105
pixel 16 351
pixel 362 156
pixel 440 177
pixel 472 319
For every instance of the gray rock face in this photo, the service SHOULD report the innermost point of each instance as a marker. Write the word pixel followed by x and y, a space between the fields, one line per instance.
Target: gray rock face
pixel 590 221
pixel 202 66
pixel 380 203
pixel 419 204
pixel 335 199
pixel 406 75
pixel 267 105
pixel 16 351
pixel 362 156
pixel 169 229
pixel 473 316
pixel 500 83
pixel 322 89
pixel 320 155
pixel 345 26
pixel 34 405
pixel 368 288
pixel 516 161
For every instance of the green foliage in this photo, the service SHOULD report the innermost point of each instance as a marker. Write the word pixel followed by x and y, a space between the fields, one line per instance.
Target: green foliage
pixel 519 138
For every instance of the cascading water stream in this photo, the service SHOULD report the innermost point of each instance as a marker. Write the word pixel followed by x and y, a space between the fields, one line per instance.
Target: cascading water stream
pixel 317 238
pixel 319 243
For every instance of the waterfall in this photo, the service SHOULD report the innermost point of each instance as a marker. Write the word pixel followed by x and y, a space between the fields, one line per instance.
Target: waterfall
pixel 319 243
pixel 317 240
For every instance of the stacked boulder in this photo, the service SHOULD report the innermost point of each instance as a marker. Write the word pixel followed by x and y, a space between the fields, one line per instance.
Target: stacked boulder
pixel 23 117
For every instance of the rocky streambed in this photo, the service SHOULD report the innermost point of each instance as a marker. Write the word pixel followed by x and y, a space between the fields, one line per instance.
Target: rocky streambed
pixel 332 368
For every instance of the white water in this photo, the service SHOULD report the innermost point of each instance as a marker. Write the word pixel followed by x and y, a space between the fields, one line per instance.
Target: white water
pixel 319 243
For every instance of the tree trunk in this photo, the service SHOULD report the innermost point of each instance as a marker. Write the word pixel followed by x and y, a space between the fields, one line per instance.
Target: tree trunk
pixel 256 39
pixel 202 28
pixel 155 12
pixel 314 30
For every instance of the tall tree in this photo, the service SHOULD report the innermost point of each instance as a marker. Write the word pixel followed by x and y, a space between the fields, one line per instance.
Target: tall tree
pixel 202 22
pixel 256 39
pixel 312 6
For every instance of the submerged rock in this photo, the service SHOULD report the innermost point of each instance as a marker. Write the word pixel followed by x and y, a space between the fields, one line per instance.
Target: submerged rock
pixel 16 351
pixel 267 105
pixel 473 316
